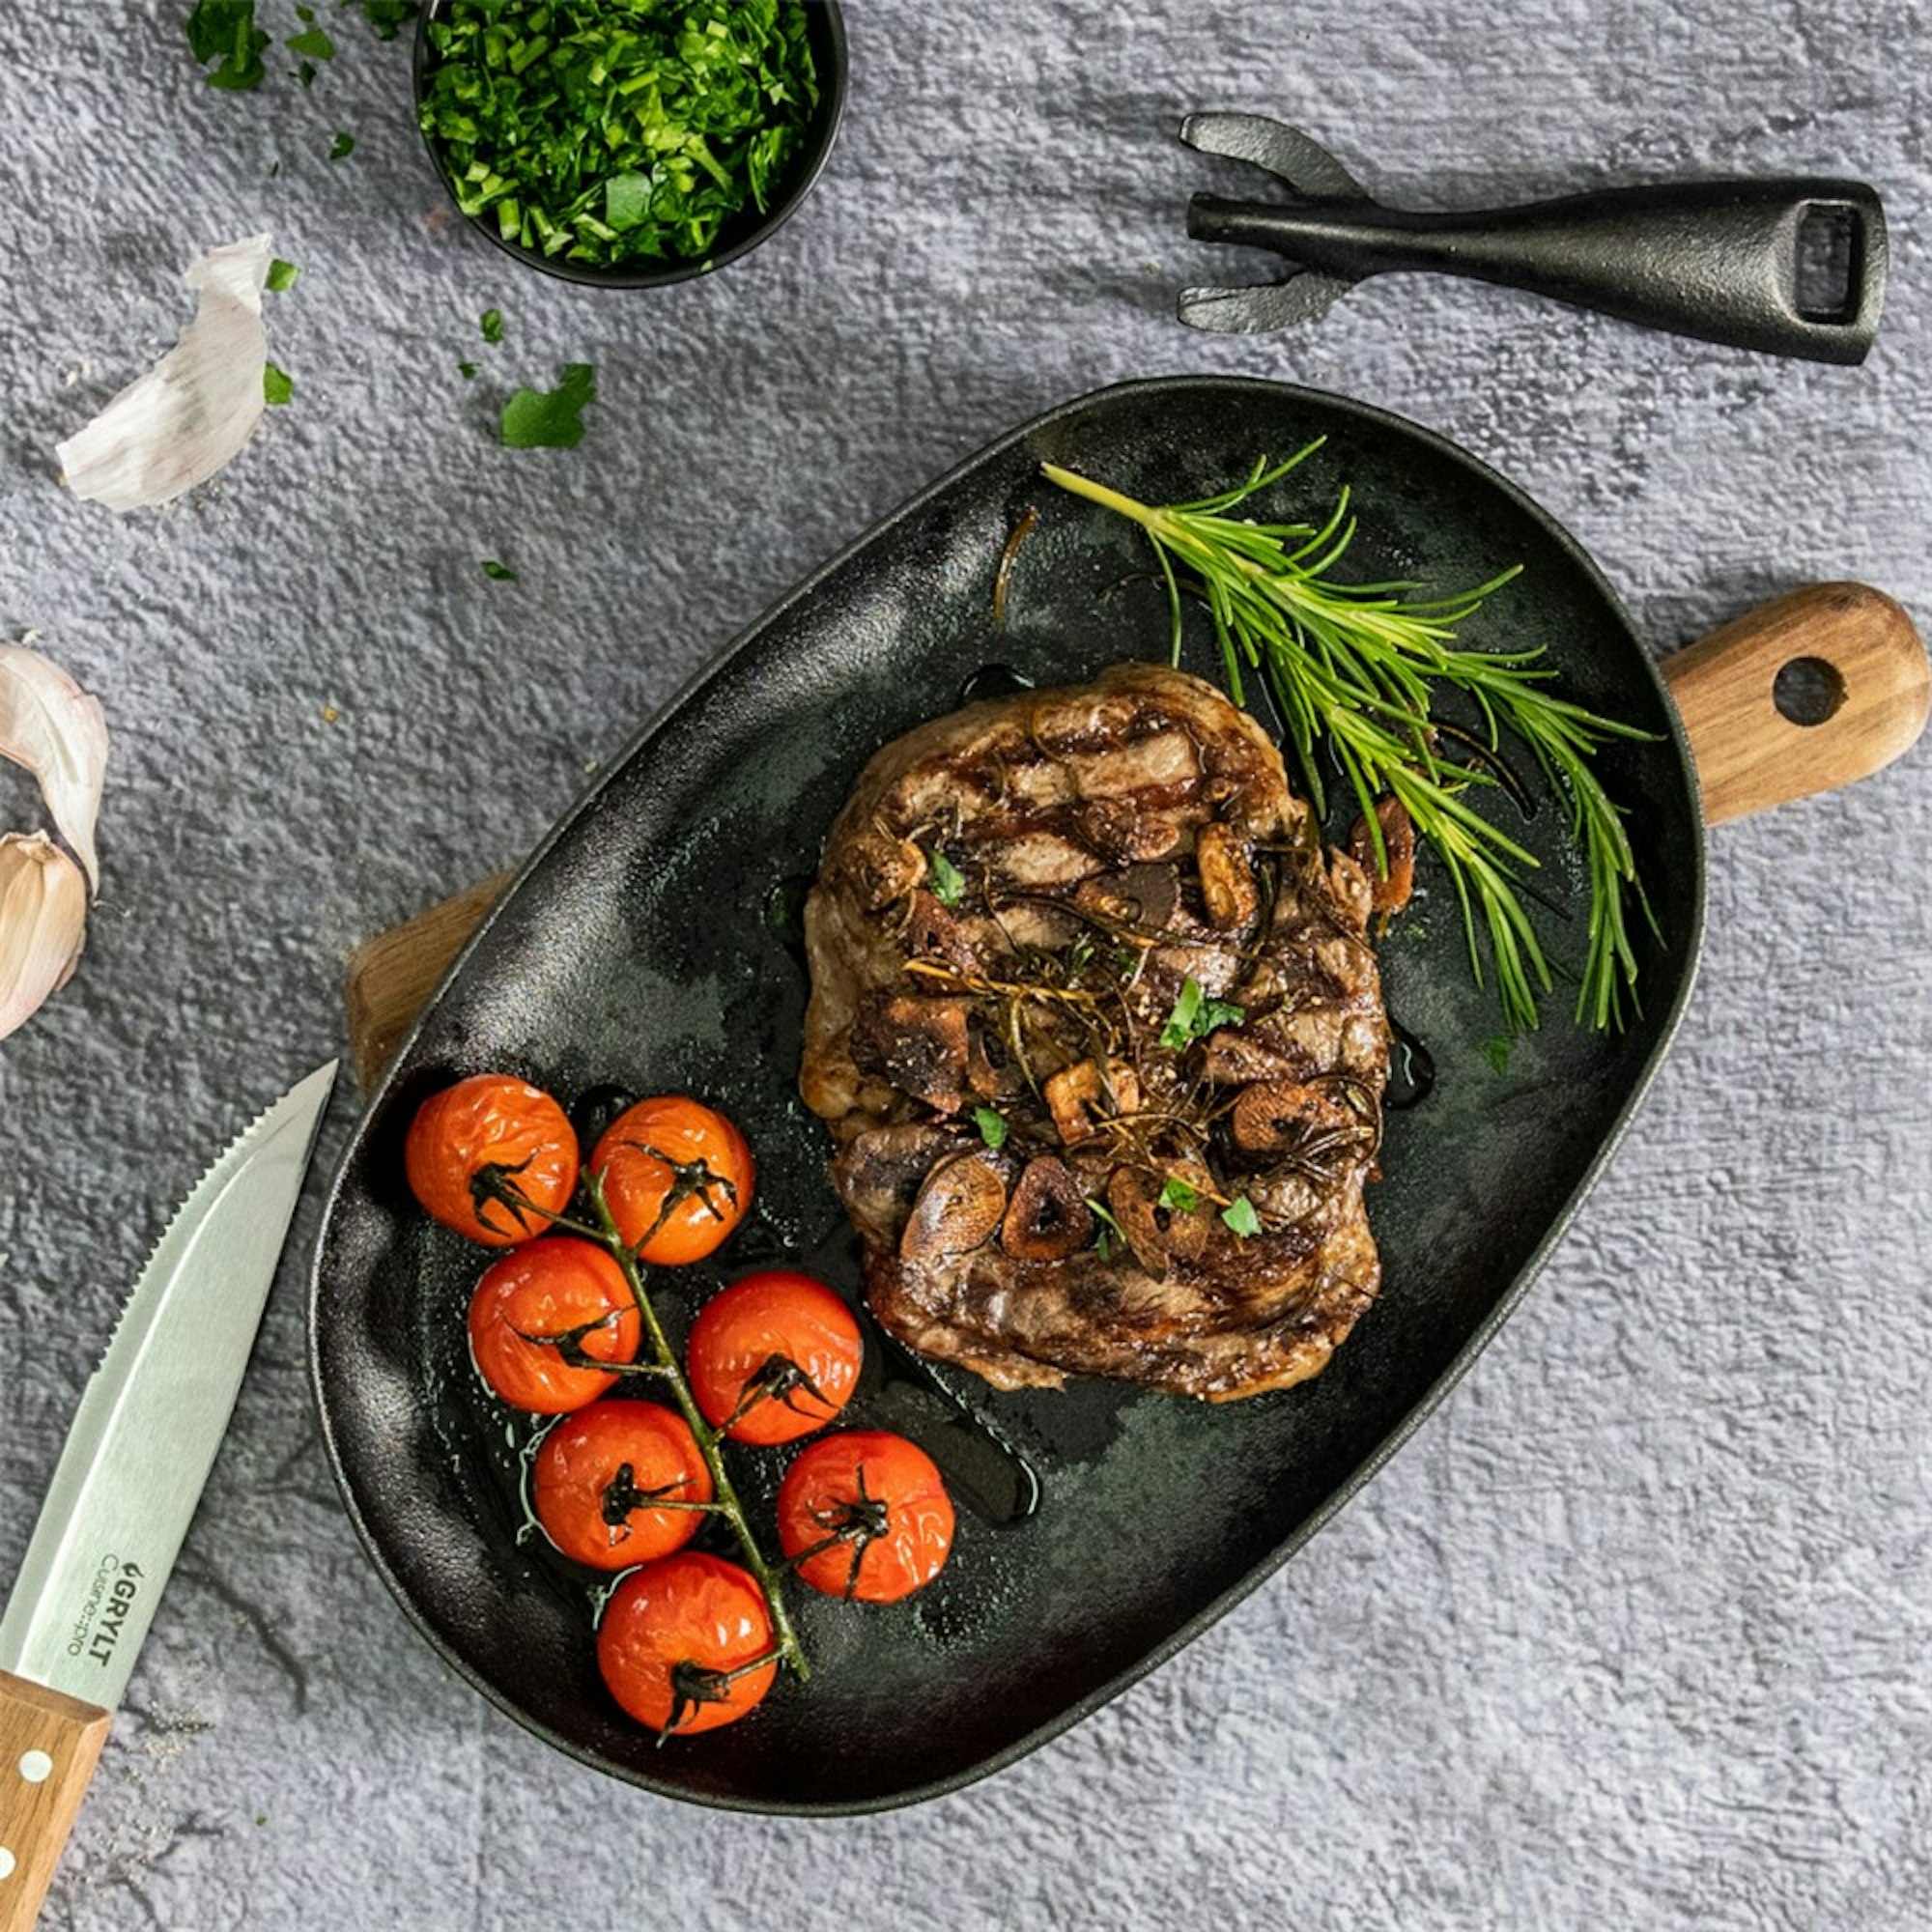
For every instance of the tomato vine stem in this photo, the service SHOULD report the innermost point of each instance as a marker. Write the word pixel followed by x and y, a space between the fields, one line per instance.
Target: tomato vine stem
pixel 768 1575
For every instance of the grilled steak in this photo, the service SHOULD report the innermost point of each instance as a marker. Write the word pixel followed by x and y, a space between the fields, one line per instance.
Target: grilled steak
pixel 1011 909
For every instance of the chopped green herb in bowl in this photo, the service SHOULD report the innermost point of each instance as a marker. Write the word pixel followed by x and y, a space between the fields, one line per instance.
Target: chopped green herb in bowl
pixel 633 144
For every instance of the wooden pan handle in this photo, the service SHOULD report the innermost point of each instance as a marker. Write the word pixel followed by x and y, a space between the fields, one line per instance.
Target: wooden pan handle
pixel 1851 651
pixel 1860 646
pixel 48 1746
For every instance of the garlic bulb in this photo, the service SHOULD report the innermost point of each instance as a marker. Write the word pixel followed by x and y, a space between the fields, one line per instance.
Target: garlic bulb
pixel 59 733
pixel 42 923
pixel 177 424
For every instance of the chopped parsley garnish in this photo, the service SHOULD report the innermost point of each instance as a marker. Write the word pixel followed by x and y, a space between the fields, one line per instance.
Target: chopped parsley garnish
pixel 499 573
pixel 1195 1016
pixel 1239 1214
pixel 342 147
pixel 947 881
pixel 992 1126
pixel 311 43
pixel 491 321
pixel 225 31
pixel 551 418
pixel 1177 1197
pixel 608 135
pixel 468 370
pixel 277 385
pixel 281 275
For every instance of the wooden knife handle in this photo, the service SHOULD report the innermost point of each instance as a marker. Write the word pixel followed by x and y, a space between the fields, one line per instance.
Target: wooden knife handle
pixel 50 1744
pixel 1851 661
pixel 1858 643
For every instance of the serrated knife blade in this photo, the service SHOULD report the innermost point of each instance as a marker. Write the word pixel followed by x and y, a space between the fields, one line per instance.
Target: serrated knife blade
pixel 129 1479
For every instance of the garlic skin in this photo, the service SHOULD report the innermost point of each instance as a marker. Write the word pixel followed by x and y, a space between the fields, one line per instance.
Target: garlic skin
pixel 42 923
pixel 177 424
pixel 59 733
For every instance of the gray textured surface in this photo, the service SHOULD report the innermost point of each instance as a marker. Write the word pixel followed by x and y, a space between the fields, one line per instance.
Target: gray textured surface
pixel 1636 1631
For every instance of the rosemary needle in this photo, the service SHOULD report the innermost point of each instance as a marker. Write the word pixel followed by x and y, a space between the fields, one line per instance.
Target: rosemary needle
pixel 1358 667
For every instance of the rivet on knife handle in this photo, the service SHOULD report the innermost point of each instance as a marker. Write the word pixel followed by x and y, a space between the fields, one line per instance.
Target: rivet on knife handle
pixel 1791 266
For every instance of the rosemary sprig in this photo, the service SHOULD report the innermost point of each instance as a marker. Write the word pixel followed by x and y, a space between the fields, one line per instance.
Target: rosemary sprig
pixel 1359 667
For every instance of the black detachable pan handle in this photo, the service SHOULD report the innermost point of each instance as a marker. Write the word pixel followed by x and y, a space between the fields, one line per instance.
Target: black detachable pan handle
pixel 1794 266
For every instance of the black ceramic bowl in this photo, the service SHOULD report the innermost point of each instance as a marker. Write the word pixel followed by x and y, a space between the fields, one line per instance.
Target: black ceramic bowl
pixel 825 31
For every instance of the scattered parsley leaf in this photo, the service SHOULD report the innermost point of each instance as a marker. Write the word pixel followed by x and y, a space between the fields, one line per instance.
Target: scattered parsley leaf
pixel 312 44
pixel 468 370
pixel 554 418
pixel 1178 1197
pixel 499 573
pixel 1239 1214
pixel 225 31
pixel 385 16
pixel 1194 1017
pixel 946 880
pixel 1496 1051
pixel 277 385
pixel 342 147
pixel 1110 1233
pixel 305 73
pixel 491 321
pixel 992 1126
pixel 281 275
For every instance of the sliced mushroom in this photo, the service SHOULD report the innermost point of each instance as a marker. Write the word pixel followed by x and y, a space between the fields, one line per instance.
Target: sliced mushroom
pixel 1228 888
pixel 1146 897
pixel 918 1045
pixel 879 1174
pixel 931 933
pixel 1388 889
pixel 957 1209
pixel 1160 1236
pixel 882 869
pixel 1081 1096
pixel 1048 1217
pixel 1285 1117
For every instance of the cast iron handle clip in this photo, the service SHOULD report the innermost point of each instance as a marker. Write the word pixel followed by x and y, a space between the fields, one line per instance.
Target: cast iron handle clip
pixel 1717 259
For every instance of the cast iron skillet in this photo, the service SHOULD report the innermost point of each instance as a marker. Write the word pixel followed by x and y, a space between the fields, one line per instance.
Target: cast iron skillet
pixel 651 945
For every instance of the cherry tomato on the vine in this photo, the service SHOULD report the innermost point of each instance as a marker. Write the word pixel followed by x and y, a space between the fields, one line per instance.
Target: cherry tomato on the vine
pixel 865 1514
pixel 775 1356
pixel 492 1158
pixel 673 1635
pixel 603 1476
pixel 678 1178
pixel 544 1318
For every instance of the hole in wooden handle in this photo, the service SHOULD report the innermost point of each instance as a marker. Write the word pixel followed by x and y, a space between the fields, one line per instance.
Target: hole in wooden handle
pixel 1808 691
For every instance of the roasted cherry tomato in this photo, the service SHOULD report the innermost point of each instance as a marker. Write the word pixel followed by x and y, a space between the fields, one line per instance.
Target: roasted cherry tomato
pixel 678 1178
pixel 492 1157
pixel 602 1476
pixel 541 1318
pixel 673 1635
pixel 865 1514
pixel 774 1356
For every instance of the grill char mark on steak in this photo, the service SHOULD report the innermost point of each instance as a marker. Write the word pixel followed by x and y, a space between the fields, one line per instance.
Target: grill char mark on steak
pixel 1113 839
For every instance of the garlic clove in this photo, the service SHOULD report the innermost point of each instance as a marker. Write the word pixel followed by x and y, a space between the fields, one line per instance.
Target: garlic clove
pixel 59 733
pixel 42 923
pixel 177 424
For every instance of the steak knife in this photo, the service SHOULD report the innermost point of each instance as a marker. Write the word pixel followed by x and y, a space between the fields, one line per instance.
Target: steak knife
pixel 125 1488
